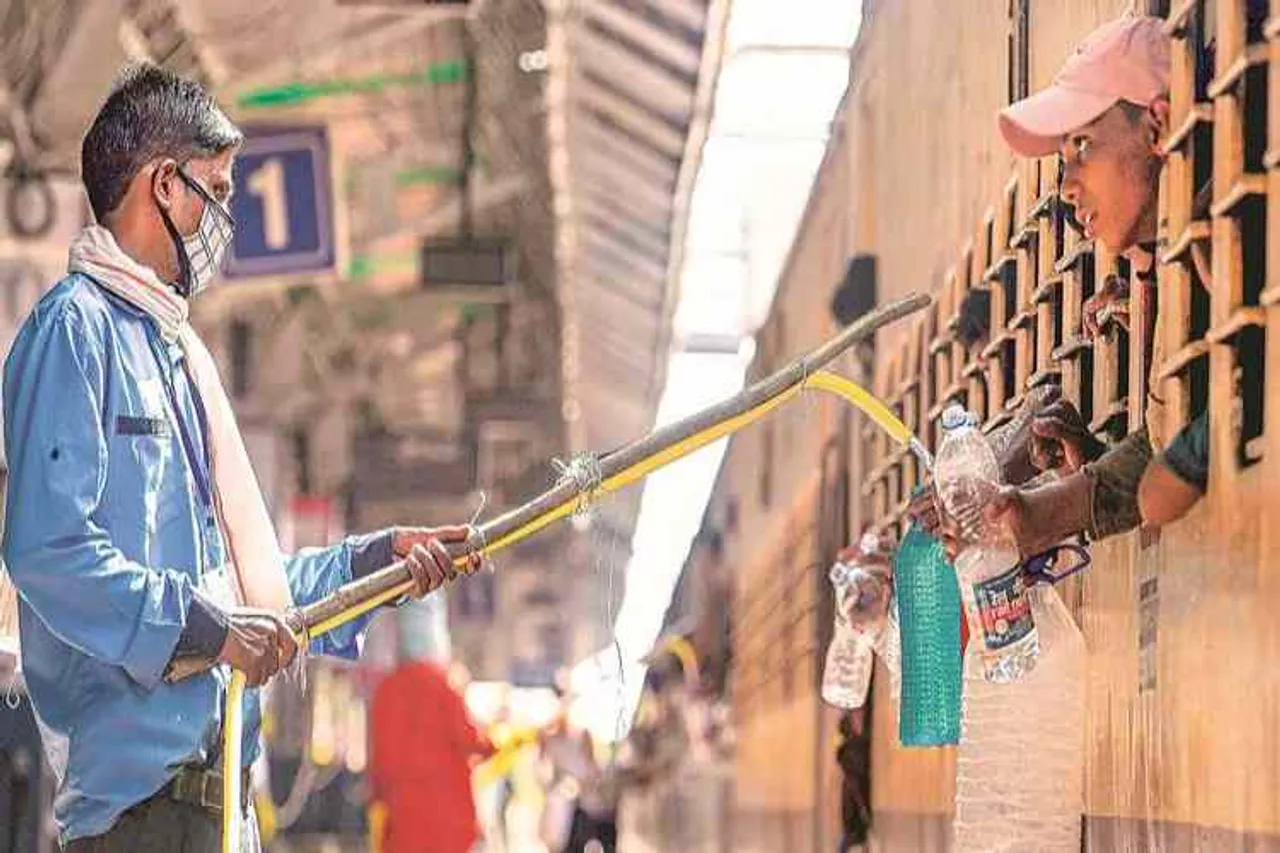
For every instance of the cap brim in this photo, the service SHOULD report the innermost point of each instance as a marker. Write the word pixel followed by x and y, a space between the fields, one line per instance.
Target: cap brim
pixel 1034 126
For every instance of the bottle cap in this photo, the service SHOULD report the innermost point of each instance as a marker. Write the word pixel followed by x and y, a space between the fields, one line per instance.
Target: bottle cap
pixel 954 417
pixel 869 543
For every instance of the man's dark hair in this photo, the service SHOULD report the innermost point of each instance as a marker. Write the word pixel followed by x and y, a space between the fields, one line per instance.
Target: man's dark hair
pixel 151 113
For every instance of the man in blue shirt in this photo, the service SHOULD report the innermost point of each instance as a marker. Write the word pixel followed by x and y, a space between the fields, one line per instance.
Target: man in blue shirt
pixel 130 492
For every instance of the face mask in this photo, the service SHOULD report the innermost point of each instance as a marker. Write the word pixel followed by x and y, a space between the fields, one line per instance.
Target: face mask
pixel 200 255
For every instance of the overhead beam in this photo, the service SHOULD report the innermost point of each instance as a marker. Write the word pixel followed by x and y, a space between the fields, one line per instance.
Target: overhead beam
pixel 597 338
pixel 623 374
pixel 637 261
pixel 600 336
pixel 692 15
pixel 626 344
pixel 597 174
pixel 601 292
pixel 627 409
pixel 653 229
pixel 594 172
pixel 621 274
pixel 658 133
pixel 629 236
pixel 589 194
pixel 659 41
pixel 376 38
pixel 647 81
pixel 610 271
pixel 715 19
pixel 641 155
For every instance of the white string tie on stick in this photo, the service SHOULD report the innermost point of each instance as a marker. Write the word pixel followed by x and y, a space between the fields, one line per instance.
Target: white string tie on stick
pixel 584 471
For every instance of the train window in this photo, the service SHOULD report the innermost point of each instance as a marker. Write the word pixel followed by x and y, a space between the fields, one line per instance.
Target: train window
pixel 1239 215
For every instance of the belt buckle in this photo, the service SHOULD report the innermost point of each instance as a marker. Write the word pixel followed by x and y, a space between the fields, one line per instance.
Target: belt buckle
pixel 211 791
pixel 202 787
pixel 199 787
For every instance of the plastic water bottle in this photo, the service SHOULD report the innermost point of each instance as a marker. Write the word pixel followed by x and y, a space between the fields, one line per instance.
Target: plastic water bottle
pixel 888 647
pixel 1020 763
pixel 967 477
pixel 928 599
pixel 862 604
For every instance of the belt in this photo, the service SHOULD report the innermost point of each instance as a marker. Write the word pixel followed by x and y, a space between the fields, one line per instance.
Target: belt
pixel 202 787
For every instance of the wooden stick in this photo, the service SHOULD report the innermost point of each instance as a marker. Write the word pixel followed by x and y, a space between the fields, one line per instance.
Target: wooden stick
pixel 494 530
pixel 380 584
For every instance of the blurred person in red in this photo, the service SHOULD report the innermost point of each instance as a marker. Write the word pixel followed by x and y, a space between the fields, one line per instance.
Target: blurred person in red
pixel 424 743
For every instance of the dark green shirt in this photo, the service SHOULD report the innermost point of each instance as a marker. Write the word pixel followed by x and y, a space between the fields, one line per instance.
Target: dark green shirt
pixel 1187 455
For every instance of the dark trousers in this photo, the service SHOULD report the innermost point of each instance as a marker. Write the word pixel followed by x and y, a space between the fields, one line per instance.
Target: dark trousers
pixel 159 825
pixel 586 828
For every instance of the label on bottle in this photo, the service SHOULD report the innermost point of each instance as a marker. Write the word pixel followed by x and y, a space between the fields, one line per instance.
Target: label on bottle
pixel 1004 609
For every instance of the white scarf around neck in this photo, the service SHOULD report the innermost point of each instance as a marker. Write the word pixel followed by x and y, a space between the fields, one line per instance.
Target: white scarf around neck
pixel 257 570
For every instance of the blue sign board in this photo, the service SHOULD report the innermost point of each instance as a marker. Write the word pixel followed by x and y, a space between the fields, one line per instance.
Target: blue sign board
pixel 283 204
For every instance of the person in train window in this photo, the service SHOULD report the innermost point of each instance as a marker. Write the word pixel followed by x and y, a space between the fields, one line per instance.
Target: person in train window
pixel 1105 115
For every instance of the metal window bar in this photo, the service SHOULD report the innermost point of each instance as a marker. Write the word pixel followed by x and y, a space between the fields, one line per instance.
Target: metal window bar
pixel 877 488
pixel 1045 216
pixel 1238 228
pixel 1270 297
pixel 1186 229
pixel 972 370
pixel 893 455
pixel 1110 358
pixel 999 278
pixel 907 401
pixel 937 358
pixel 1024 241
pixel 1075 354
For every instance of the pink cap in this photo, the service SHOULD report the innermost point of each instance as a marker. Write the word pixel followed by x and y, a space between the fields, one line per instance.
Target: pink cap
pixel 1125 60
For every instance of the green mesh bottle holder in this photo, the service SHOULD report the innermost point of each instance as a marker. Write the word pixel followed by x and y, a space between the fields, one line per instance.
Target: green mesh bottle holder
pixel 928 598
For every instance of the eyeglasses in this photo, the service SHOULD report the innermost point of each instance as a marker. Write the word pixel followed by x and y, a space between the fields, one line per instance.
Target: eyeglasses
pixel 219 208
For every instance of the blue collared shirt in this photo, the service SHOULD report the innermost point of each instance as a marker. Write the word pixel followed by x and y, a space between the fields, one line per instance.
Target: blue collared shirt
pixel 108 539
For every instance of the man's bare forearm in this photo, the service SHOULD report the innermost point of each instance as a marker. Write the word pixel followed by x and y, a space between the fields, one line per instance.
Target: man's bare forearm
pixel 1053 512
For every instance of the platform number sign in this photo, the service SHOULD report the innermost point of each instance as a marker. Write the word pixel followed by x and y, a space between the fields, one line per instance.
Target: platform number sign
pixel 283 205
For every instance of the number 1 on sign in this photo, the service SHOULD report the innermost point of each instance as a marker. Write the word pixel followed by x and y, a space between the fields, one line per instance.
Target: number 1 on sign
pixel 267 183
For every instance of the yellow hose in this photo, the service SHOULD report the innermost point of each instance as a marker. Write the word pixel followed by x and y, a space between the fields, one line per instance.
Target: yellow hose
pixel 847 390
pixel 500 763
pixel 232 724
pixel 687 655
pixel 860 398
